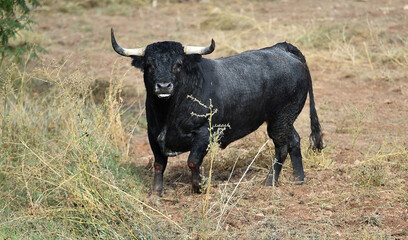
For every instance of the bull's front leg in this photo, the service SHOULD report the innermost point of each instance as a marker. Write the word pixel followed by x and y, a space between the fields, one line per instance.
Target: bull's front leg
pixel 195 159
pixel 160 163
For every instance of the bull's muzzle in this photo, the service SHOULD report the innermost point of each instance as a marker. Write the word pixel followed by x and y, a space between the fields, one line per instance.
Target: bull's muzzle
pixel 163 89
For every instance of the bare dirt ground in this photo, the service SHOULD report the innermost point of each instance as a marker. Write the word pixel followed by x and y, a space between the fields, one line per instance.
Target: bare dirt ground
pixel 357 54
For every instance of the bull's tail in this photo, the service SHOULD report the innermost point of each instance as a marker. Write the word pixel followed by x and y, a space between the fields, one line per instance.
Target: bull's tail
pixel 316 137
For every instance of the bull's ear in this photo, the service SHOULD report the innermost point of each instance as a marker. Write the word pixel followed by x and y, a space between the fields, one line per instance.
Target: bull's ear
pixel 137 62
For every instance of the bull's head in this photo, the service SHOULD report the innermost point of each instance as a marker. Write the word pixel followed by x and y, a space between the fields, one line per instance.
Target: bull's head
pixel 162 63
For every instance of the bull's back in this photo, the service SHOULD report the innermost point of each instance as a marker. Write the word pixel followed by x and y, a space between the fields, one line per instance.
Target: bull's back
pixel 252 87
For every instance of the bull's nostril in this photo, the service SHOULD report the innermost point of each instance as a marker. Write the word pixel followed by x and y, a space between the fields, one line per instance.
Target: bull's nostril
pixel 164 85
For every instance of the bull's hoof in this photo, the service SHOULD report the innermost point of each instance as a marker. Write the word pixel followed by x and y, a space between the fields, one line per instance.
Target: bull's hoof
pixel 299 180
pixel 154 196
pixel 157 193
pixel 154 199
pixel 196 188
pixel 157 189
pixel 195 181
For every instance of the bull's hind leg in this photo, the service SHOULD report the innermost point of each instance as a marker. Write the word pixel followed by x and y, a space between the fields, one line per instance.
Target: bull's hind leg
pixel 280 136
pixel 296 157
pixel 286 140
pixel 281 152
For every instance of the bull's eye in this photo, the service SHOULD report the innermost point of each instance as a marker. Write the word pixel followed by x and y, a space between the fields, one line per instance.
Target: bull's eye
pixel 149 67
pixel 177 67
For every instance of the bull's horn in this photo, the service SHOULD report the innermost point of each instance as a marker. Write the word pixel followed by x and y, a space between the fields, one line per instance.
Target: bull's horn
pixel 200 50
pixel 124 51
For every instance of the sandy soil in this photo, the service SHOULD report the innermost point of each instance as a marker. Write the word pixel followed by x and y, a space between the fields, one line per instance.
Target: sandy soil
pixel 363 111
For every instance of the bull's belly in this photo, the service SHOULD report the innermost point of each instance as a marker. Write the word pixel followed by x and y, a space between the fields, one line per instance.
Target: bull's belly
pixel 174 149
pixel 173 141
pixel 233 134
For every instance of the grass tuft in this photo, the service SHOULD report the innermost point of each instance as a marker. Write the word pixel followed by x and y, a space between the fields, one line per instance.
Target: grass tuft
pixel 59 163
pixel 370 175
pixel 225 20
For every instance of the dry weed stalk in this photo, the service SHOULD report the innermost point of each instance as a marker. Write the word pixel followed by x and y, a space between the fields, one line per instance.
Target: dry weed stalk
pixel 359 120
pixel 224 207
pixel 368 55
pixel 215 134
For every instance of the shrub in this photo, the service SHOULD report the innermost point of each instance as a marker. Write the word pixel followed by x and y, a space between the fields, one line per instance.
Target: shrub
pixel 14 17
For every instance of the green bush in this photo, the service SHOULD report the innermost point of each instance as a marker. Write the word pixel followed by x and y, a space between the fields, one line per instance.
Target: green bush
pixel 14 17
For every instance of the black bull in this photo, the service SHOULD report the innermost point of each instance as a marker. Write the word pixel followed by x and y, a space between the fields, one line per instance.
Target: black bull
pixel 267 85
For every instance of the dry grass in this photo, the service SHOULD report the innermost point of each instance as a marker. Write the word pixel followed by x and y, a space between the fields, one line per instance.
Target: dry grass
pixel 107 7
pixel 225 20
pixel 60 161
